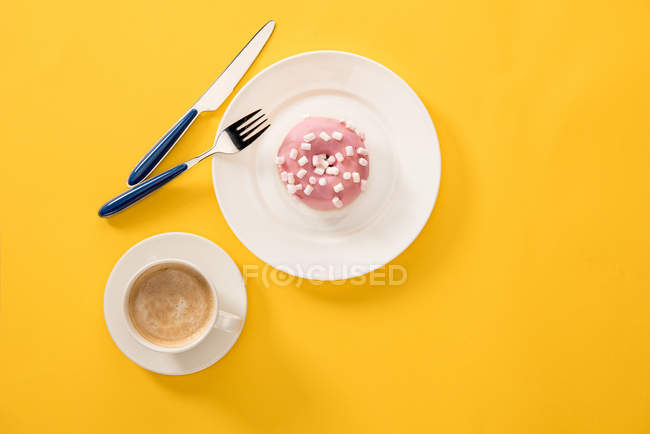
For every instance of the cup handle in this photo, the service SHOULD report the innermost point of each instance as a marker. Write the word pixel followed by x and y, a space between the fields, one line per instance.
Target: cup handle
pixel 228 322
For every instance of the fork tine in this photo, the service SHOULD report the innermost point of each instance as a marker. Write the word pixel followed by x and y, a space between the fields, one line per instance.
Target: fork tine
pixel 251 128
pixel 251 139
pixel 248 125
pixel 236 124
pixel 251 131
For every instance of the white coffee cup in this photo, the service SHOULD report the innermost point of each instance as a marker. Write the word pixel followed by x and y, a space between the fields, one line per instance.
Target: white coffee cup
pixel 219 319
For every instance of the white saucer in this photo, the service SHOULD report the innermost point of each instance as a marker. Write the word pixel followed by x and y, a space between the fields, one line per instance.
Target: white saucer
pixel 212 261
pixel 404 167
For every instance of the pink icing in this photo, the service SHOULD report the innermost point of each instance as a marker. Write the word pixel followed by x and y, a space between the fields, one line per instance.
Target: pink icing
pixel 322 195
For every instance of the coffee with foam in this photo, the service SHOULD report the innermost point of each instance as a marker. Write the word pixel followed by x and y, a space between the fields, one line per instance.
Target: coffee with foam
pixel 171 305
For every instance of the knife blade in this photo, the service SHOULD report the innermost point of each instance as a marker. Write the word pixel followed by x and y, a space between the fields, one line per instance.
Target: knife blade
pixel 209 101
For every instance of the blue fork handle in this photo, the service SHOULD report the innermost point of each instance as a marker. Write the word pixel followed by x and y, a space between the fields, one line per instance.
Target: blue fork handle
pixel 140 191
pixel 160 149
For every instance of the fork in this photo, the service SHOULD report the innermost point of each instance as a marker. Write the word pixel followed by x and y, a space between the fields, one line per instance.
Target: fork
pixel 231 140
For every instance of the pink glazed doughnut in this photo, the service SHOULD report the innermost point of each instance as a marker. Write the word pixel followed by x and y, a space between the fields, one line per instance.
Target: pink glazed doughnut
pixel 341 162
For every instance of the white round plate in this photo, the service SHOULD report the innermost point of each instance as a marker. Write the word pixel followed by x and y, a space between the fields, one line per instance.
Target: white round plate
pixel 213 262
pixel 404 167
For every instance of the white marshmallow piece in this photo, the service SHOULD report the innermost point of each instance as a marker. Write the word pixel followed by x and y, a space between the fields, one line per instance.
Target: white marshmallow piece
pixel 308 190
pixel 349 151
pixel 293 153
pixel 337 202
pixel 305 146
pixel 356 177
pixel 332 171
pixel 349 125
pixel 322 156
pixel 363 162
pixel 315 161
pixel 305 116
pixel 279 159
pixel 291 188
pixel 331 160
pixel 347 175
pixel 338 187
pixel 322 181
pixel 301 173
pixel 339 157
pixel 283 176
pixel 337 135
pixel 303 160
pixel 363 185
pixel 290 178
pixel 362 151
pixel 323 135
pixel 309 137
pixel 319 170
pixel 312 180
pixel 298 186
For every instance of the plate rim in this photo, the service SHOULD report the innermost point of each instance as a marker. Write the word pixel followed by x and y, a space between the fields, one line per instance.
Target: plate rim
pixel 438 155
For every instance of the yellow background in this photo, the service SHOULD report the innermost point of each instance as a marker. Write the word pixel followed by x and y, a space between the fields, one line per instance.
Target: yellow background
pixel 526 308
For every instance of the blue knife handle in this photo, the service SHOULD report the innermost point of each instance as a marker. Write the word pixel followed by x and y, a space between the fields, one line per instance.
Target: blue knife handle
pixel 160 149
pixel 140 191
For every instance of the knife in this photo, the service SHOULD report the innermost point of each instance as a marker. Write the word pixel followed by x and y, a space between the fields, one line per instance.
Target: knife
pixel 209 101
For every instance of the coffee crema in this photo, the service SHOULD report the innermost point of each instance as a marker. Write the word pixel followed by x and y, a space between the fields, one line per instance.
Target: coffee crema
pixel 171 304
